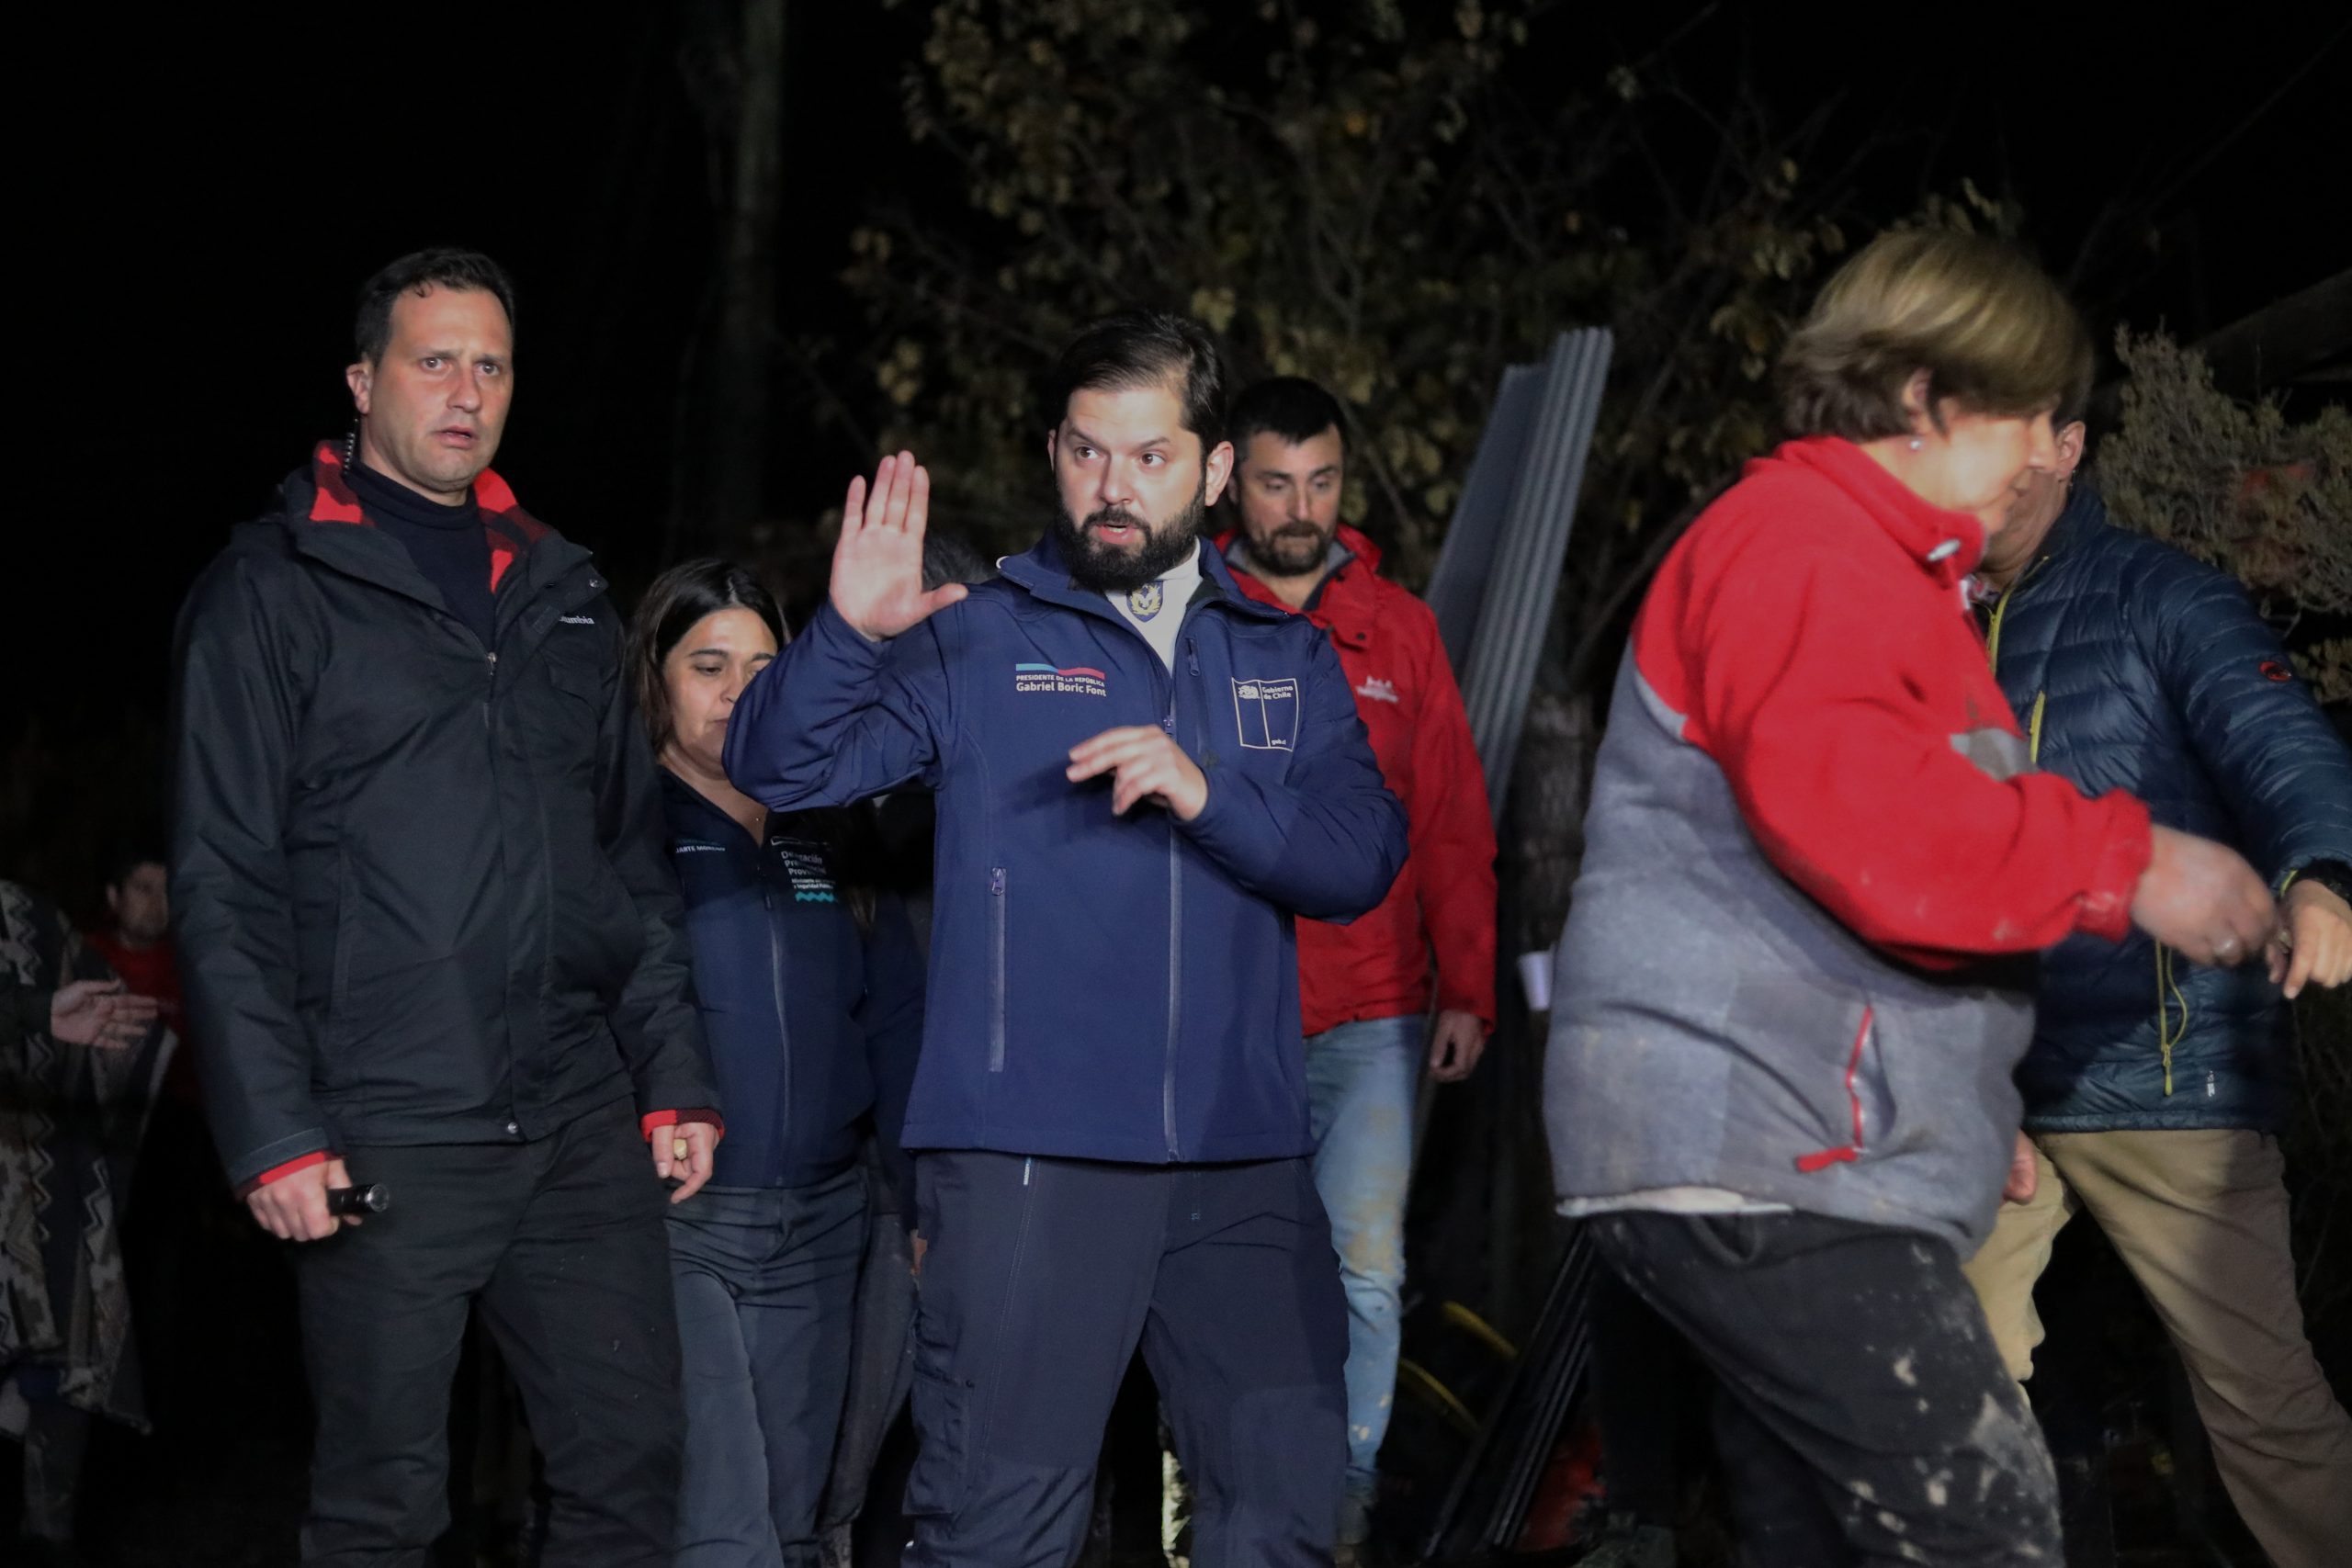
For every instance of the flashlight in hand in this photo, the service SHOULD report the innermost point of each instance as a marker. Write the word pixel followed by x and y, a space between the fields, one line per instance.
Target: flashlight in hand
pixel 352 1202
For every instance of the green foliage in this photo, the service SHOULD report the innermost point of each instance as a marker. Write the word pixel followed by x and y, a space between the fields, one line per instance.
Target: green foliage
pixel 1356 192
pixel 2239 485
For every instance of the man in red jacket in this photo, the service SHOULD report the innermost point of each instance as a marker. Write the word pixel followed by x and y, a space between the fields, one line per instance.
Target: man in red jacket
pixel 1364 989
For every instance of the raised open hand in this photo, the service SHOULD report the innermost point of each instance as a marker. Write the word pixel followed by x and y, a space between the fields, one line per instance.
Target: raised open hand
pixel 877 565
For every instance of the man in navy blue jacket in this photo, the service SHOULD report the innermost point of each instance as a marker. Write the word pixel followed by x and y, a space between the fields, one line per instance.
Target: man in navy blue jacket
pixel 2155 1087
pixel 1142 776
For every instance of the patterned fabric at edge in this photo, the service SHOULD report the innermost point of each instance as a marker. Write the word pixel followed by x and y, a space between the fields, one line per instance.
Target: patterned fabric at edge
pixel 70 1117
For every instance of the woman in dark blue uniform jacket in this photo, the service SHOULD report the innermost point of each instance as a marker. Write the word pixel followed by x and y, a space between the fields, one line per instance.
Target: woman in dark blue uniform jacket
pixel 811 995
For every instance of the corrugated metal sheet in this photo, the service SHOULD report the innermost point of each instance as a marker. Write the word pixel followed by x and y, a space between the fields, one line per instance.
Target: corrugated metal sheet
pixel 1498 574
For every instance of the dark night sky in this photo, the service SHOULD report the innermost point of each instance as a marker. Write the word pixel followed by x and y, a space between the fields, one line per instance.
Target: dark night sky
pixel 206 189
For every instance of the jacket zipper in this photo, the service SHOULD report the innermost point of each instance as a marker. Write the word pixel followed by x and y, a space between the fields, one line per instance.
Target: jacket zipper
pixel 2166 990
pixel 506 870
pixel 1847 1153
pixel 1175 932
pixel 997 1003
pixel 776 985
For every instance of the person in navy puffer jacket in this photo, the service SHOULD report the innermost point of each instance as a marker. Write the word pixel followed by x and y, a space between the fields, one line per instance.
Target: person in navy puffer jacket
pixel 811 998
pixel 1143 776
pixel 2155 1087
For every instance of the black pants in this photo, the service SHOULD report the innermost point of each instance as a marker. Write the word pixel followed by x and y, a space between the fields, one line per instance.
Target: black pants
pixel 1864 1415
pixel 561 1244
pixel 1041 1276
pixel 1647 1395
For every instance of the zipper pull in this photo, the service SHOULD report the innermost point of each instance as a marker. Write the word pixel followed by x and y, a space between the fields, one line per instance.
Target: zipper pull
pixel 996 882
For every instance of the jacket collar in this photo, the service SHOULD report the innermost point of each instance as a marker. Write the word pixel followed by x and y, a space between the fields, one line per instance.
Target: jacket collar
pixel 1041 572
pixel 1343 604
pixel 2084 515
pixel 1948 544
pixel 681 804
pixel 329 498
pixel 325 519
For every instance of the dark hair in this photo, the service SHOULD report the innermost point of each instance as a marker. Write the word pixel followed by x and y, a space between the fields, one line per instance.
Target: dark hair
pixel 1146 348
pixel 672 606
pixel 1990 330
pixel 948 558
pixel 1289 406
pixel 444 266
pixel 127 855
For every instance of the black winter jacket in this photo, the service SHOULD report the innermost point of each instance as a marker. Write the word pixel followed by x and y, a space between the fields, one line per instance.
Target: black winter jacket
pixel 420 886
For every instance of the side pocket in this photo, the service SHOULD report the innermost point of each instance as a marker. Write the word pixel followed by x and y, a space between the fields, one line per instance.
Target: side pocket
pixel 334 1047
pixel 1863 1074
pixel 937 1483
pixel 999 917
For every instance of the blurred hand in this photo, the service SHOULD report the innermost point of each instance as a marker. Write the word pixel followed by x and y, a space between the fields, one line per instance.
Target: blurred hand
pixel 2202 899
pixel 1145 763
pixel 1455 1045
pixel 294 1207
pixel 100 1013
pixel 2025 1175
pixel 878 565
pixel 2316 946
pixel 685 1150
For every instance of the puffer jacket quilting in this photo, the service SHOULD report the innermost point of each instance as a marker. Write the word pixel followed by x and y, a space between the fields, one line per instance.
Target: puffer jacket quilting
pixel 2135 666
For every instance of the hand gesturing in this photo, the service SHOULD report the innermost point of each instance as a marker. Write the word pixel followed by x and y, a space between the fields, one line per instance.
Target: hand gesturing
pixel 877 565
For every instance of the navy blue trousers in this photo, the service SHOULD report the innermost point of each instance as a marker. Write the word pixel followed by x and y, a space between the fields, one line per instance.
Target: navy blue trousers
pixel 1041 1277
pixel 766 1282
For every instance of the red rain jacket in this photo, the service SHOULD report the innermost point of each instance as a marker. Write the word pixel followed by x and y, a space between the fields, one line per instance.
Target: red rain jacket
pixel 1379 966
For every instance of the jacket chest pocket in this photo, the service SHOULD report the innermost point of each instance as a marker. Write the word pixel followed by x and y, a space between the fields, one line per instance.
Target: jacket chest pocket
pixel 1265 712
pixel 563 708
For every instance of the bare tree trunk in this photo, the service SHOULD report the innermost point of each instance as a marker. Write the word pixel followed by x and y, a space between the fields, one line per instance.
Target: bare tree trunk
pixel 732 58
pixel 742 357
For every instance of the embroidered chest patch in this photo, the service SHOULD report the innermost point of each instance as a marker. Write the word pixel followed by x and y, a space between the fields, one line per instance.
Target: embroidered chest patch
pixel 804 863
pixel 1266 713
pixel 1077 680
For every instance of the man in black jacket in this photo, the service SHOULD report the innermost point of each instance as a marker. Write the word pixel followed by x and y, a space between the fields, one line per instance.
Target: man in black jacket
pixel 431 941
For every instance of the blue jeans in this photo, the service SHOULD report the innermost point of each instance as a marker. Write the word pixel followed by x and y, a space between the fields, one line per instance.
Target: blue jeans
pixel 767 1283
pixel 1360 1082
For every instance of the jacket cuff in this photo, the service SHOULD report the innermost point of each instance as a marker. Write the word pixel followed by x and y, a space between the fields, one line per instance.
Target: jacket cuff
pixel 653 1121
pixel 835 630
pixel 2331 874
pixel 1483 1005
pixel 2105 907
pixel 278 1172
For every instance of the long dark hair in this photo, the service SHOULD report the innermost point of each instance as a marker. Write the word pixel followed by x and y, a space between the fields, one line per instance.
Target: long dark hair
pixel 674 606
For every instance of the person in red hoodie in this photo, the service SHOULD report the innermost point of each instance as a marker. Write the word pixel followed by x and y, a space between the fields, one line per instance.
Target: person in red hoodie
pixel 1365 989
pixel 1797 975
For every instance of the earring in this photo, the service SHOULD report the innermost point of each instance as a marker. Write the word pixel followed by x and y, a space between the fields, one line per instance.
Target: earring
pixel 351 446
pixel 1918 445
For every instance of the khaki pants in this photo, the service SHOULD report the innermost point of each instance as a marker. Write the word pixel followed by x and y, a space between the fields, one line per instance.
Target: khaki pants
pixel 2200 1217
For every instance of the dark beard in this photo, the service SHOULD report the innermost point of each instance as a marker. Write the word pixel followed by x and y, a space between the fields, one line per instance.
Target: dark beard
pixel 1270 559
pixel 1101 569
